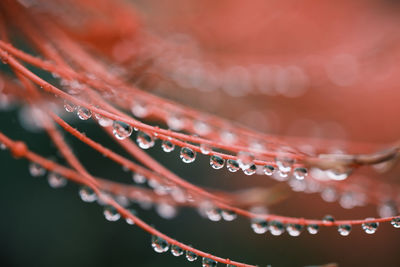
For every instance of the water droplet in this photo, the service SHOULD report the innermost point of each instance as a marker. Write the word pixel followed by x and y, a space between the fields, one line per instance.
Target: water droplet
pixel 2 146
pixel 167 146
pixel 176 250
pixel 121 130
pixel 329 194
pixel 206 262
pixel 69 107
pixel 250 170
pixel 228 137
pixel 232 165
pixel 56 180
pixel 228 215
pixel 36 170
pixel 111 214
pixel 328 220
pixel 387 209
pixel 338 174
pixel 269 170
pixel 103 121
pixel 87 194
pixel 299 173
pixel 144 140
pixel 276 228
pixel 284 164
pixel 191 256
pixel 84 113
pixel 129 220
pixel 245 159
pixel 294 229
pixel 159 245
pixel 259 226
pixel 217 162
pixel 175 122
pixel 205 149
pixel 187 155
pixel 313 228
pixel 139 178
pixel 344 229
pixel 214 214
pixel 396 222
pixel 139 110
pixel 370 227
pixel 201 128
pixel 166 211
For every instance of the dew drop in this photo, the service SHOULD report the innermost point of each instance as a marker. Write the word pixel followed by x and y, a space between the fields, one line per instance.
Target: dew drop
pixel 228 137
pixel 36 170
pixel 252 169
pixel 121 130
pixel 328 220
pixel 159 245
pixel 259 226
pixel 299 173
pixel 84 113
pixel 245 159
pixel 2 146
pixel 111 214
pixel 338 174
pixel 167 146
pixel 104 121
pixel 284 164
pixel 139 178
pixel 144 140
pixel 269 170
pixel 191 256
pixel 129 220
pixel 344 229
pixel 139 110
pixel 87 194
pixel 69 107
pixel 187 155
pixel 176 250
pixel 228 215
pixel 370 227
pixel 294 229
pixel 201 128
pixel 276 228
pixel 206 262
pixel 232 165
pixel 205 149
pixel 395 222
pixel 313 229
pixel 175 122
pixel 166 211
pixel 217 162
pixel 214 214
pixel 56 180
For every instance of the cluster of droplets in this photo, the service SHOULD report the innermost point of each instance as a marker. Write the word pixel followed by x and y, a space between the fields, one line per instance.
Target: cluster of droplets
pixel 160 245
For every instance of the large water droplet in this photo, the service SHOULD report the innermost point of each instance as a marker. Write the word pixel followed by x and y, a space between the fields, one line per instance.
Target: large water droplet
pixel 206 262
pixel 36 170
pixel 217 162
pixel 344 229
pixel 252 169
pixel 111 214
pixel 176 250
pixel 87 194
pixel 294 229
pixel 269 170
pixel 276 228
pixel 232 165
pixel 56 180
pixel 228 215
pixel 159 245
pixel 69 107
pixel 84 113
pixel 396 222
pixel 144 140
pixel 313 228
pixel 191 256
pixel 187 155
pixel 167 146
pixel 121 130
pixel 370 227
pixel 259 226
pixel 299 173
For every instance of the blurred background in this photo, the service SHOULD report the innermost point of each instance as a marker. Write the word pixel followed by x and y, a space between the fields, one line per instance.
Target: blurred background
pixel 323 72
